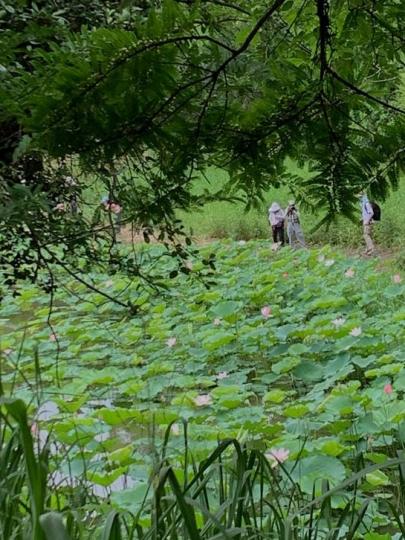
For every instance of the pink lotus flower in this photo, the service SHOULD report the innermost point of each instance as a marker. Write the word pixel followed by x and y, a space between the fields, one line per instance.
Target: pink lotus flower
pixel 349 273
pixel 217 322
pixel 277 456
pixel 388 389
pixel 203 400
pixel 285 275
pixel 329 262
pixel 396 278
pixel 53 337
pixel 7 351
pixel 35 428
pixel 60 207
pixel 340 321
pixel 222 375
pixel 171 342
pixel 266 311
pixel 356 332
pixel 175 429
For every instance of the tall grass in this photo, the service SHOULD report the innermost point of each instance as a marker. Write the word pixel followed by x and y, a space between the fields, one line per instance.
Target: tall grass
pixel 236 493
pixel 22 476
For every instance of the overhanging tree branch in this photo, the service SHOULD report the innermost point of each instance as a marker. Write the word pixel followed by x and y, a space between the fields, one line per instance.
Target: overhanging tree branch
pixel 219 3
pixel 322 12
pixel 259 24
pixel 213 76
pixel 385 25
pixel 391 162
pixel 101 77
pixel 363 93
pixel 77 277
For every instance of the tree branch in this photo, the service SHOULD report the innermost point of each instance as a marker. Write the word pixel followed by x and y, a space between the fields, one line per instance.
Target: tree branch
pixel 322 12
pixel 363 93
pixel 213 76
pixel 384 25
pixel 389 164
pixel 76 276
pixel 219 3
pixel 145 48
pixel 263 19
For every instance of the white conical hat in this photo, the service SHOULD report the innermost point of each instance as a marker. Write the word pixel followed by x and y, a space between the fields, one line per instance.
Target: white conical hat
pixel 275 207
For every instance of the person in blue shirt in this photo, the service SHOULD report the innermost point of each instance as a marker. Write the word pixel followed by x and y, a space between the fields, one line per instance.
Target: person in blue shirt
pixel 367 214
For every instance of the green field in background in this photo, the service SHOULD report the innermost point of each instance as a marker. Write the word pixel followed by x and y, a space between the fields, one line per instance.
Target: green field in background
pixel 230 220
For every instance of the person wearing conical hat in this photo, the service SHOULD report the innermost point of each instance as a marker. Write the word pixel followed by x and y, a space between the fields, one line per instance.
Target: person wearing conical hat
pixel 294 231
pixel 276 220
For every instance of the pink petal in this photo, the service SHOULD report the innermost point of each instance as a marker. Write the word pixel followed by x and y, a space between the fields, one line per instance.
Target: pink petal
pixel 356 332
pixel 203 400
pixel 388 389
pixel 277 456
pixel 266 311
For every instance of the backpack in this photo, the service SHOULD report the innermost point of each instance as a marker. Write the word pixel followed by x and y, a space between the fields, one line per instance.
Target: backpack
pixel 376 211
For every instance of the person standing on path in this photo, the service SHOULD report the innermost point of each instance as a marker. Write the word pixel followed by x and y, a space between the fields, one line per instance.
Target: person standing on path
pixel 112 207
pixel 294 231
pixel 367 214
pixel 276 220
pixel 72 191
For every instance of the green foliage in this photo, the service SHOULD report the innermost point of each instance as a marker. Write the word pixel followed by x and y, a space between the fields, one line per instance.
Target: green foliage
pixel 319 380
pixel 157 95
pixel 163 90
pixel 234 492
pixel 53 527
pixel 21 467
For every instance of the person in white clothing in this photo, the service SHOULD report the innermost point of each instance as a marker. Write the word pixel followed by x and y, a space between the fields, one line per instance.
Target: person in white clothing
pixel 276 220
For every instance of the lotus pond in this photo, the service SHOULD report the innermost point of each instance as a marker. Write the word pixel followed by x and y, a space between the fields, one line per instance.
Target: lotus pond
pixel 299 354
